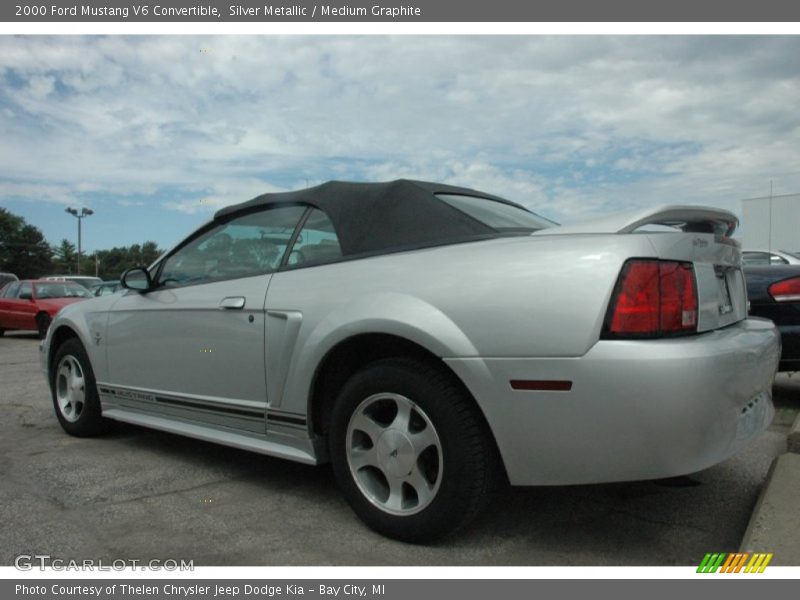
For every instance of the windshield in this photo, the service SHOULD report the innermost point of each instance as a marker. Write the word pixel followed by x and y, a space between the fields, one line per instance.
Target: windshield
pixel 86 282
pixel 61 289
pixel 497 215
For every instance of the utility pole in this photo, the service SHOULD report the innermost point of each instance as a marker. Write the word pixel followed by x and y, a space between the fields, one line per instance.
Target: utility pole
pixel 769 240
pixel 85 212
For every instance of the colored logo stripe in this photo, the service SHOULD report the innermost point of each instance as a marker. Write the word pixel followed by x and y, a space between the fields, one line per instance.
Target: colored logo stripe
pixel 734 562
pixel 711 563
pixel 758 563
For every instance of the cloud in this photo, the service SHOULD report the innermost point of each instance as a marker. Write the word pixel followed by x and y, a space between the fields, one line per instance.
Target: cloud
pixel 60 194
pixel 221 194
pixel 571 126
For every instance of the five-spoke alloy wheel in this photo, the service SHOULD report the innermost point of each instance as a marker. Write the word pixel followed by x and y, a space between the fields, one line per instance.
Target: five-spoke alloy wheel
pixel 70 388
pixel 75 398
pixel 410 449
pixel 394 454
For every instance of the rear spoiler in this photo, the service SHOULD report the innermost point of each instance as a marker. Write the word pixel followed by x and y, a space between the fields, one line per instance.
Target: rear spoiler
pixel 689 219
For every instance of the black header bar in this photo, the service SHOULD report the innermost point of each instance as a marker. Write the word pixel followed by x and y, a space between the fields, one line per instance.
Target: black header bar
pixel 263 11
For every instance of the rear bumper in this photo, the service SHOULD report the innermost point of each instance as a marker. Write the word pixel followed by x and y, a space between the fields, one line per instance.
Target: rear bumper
pixel 641 409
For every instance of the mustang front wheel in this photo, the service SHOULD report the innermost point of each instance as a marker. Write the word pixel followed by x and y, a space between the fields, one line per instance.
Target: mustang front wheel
pixel 75 398
pixel 410 450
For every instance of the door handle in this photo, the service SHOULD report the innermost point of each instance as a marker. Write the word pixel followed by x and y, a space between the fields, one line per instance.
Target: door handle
pixel 232 303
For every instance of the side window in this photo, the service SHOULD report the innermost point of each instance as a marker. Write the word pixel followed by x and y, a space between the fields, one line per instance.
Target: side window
pixel 25 290
pixel 317 242
pixel 11 290
pixel 755 258
pixel 247 245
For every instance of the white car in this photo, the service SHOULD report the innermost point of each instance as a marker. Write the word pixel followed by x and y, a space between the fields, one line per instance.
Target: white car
pixel 86 281
pixel 769 257
pixel 431 342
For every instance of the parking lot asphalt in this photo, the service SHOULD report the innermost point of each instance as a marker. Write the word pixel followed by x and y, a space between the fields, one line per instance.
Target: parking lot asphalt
pixel 142 494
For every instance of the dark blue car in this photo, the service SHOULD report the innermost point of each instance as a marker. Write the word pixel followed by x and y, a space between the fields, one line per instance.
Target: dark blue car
pixel 774 293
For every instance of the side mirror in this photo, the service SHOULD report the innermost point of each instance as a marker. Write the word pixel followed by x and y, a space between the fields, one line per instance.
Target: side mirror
pixel 26 296
pixel 137 279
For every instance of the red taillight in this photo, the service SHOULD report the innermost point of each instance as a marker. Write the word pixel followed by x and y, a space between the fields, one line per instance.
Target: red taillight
pixel 678 297
pixel 653 298
pixel 787 290
pixel 636 309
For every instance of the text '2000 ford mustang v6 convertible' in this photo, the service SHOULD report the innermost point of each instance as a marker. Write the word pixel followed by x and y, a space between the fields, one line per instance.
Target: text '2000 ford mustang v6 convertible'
pixel 431 341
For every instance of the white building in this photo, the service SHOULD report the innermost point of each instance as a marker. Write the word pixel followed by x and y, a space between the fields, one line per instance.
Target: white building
pixel 771 223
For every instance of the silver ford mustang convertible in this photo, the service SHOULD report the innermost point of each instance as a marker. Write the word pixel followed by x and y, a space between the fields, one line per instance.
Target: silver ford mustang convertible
pixel 431 342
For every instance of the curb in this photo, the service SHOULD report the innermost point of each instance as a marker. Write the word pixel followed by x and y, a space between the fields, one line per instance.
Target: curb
pixel 793 440
pixel 774 526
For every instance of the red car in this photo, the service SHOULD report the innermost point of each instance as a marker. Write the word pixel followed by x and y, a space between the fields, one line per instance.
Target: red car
pixel 32 304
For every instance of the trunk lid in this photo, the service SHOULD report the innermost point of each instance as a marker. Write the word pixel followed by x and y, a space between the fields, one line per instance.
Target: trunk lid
pixel 696 234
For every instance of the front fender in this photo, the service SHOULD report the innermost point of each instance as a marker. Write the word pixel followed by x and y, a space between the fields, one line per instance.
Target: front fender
pixel 87 320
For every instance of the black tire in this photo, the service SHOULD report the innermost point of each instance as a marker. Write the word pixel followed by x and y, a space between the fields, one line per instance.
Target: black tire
pixel 43 321
pixel 81 418
pixel 462 482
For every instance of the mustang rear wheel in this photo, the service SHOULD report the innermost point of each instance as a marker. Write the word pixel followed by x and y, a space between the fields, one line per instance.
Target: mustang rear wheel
pixel 410 450
pixel 394 454
pixel 75 398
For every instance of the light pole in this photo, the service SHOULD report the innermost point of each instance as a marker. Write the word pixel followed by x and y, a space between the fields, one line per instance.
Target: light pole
pixel 84 212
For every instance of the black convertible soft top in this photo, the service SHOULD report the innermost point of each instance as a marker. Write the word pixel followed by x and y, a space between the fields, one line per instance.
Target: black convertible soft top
pixel 372 218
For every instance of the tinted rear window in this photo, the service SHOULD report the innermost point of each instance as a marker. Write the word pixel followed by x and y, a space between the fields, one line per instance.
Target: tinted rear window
pixel 497 215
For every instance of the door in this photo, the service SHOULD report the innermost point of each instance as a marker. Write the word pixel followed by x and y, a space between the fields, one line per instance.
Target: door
pixel 8 304
pixel 23 309
pixel 193 346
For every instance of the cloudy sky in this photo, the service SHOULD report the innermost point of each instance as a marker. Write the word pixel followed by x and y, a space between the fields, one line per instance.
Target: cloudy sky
pixel 154 133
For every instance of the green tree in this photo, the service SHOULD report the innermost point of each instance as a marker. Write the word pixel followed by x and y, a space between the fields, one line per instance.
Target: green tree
pixel 65 256
pixel 116 260
pixel 150 252
pixel 23 249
